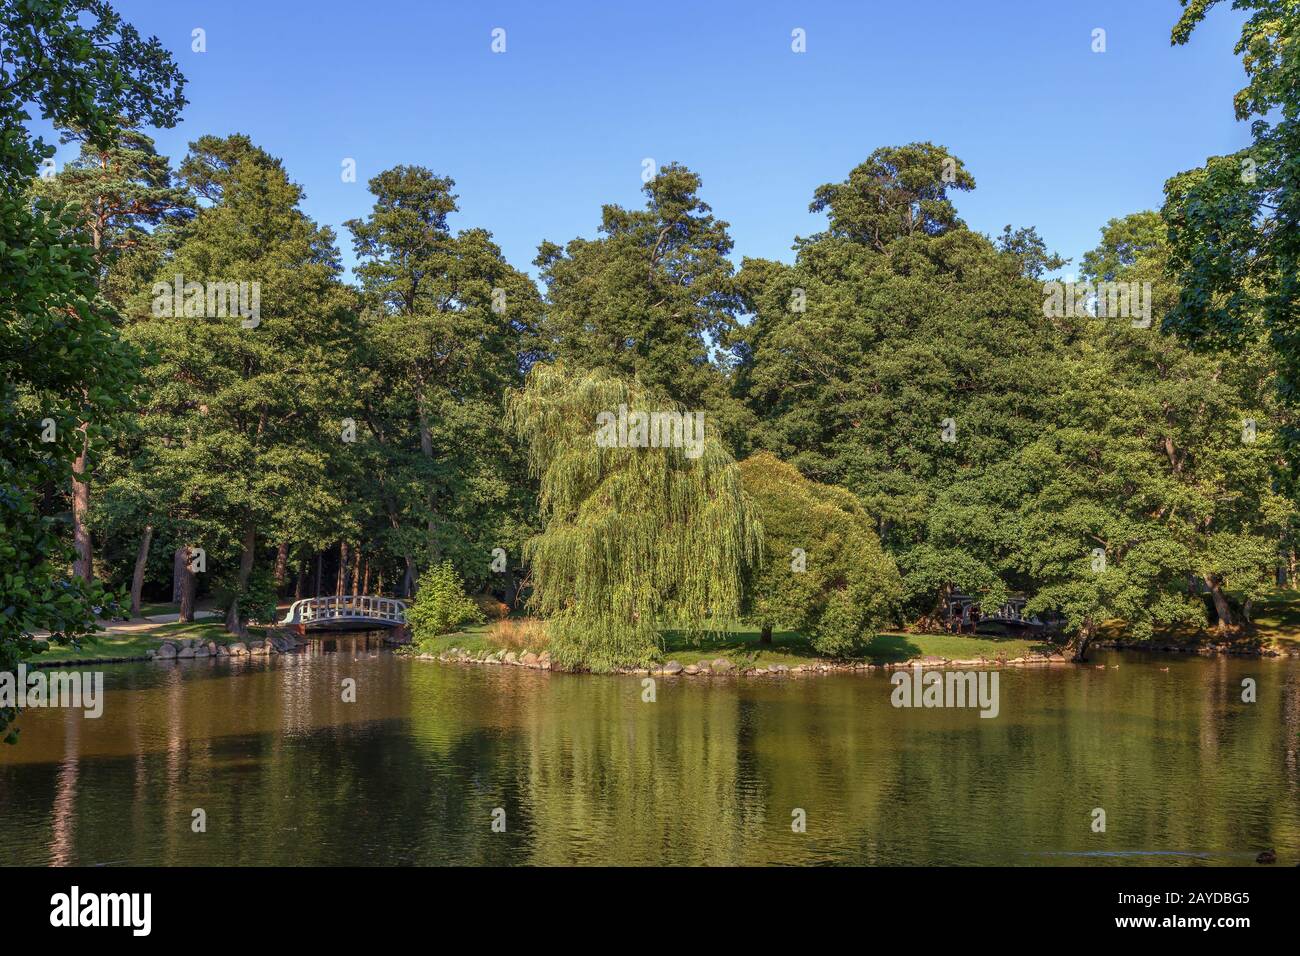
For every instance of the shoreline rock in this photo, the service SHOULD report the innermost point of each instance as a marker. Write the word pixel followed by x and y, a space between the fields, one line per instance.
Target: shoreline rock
pixel 721 666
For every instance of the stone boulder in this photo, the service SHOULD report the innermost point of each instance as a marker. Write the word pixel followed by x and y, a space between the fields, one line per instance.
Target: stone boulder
pixel 237 649
pixel 672 667
pixel 721 665
pixel 185 652
pixel 166 651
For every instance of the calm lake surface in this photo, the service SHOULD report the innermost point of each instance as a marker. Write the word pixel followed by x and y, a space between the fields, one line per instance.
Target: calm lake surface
pixel 288 773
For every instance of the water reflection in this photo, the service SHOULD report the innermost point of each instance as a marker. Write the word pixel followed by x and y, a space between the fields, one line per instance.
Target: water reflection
pixel 289 772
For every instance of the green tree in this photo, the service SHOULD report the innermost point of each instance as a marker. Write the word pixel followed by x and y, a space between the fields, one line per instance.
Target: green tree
pixel 1156 468
pixel 635 539
pixel 1234 223
pixel 245 405
pixel 899 191
pixel 652 297
pixel 121 190
pixel 446 332
pixel 61 361
pixel 823 572
pixel 907 359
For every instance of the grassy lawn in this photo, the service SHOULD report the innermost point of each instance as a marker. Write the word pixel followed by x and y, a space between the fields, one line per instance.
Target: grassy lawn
pixel 741 645
pixel 473 639
pixel 1277 620
pixel 124 645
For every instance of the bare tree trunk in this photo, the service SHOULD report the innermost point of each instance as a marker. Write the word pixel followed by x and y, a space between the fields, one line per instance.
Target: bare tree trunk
pixel 341 580
pixel 178 569
pixel 365 582
pixel 83 565
pixel 302 578
pixel 281 566
pixel 356 570
pixel 426 448
pixel 1076 648
pixel 319 558
pixel 408 583
pixel 234 621
pixel 766 636
pixel 1221 607
pixel 141 561
pixel 186 584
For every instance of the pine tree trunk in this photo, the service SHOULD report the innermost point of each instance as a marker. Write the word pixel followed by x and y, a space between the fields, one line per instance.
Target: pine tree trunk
pixel 409 583
pixel 178 569
pixel 141 561
pixel 356 570
pixel 341 580
pixel 83 565
pixel 365 581
pixel 281 566
pixel 185 584
pixel 234 620
pixel 302 581
pixel 426 448
pixel 766 637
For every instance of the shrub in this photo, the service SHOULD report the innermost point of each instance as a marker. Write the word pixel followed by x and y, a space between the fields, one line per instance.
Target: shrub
pixel 441 605
pixel 843 587
pixel 520 634
pixel 257 599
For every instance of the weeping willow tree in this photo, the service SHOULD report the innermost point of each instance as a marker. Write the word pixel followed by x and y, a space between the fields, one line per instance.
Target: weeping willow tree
pixel 646 526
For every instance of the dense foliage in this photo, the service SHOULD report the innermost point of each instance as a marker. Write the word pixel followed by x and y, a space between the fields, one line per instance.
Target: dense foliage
pixel 441 606
pixel 636 539
pixel 64 372
pixel 822 571
pixel 908 412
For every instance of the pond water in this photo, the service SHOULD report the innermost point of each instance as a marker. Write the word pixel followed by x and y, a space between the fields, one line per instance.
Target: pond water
pixel 583 771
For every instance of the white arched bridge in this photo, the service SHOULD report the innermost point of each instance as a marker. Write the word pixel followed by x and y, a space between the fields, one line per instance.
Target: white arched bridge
pixel 346 609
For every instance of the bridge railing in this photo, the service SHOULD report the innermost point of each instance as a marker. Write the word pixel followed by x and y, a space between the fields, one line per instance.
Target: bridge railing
pixel 346 607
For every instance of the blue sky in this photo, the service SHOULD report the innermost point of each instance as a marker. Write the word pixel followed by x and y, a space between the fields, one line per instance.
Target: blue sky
pixel 539 137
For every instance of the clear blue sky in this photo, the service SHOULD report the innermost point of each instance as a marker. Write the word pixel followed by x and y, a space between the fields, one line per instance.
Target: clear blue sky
pixel 539 137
